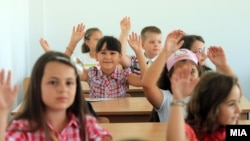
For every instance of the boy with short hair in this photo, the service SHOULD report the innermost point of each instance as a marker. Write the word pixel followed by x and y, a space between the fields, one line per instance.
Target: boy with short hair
pixel 151 43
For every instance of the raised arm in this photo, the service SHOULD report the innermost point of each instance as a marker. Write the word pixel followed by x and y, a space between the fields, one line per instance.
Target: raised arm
pixel 218 57
pixel 150 78
pixel 45 45
pixel 125 28
pixel 181 87
pixel 135 43
pixel 77 34
pixel 7 97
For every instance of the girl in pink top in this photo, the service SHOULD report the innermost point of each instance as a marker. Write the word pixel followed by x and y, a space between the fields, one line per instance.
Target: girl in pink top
pixel 213 105
pixel 53 107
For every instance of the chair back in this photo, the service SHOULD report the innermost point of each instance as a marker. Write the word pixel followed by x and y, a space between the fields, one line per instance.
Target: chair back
pixel 26 82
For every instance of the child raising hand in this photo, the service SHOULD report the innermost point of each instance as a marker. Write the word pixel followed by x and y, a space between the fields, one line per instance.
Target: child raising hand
pixel 213 105
pixel 53 107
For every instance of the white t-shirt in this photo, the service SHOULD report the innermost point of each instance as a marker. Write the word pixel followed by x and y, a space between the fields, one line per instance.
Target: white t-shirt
pixel 164 110
pixel 88 61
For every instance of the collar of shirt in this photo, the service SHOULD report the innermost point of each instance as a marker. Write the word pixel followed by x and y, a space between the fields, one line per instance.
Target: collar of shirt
pixel 150 60
pixel 115 73
pixel 72 123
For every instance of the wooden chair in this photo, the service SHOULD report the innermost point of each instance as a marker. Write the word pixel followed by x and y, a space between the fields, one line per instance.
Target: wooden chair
pixel 127 95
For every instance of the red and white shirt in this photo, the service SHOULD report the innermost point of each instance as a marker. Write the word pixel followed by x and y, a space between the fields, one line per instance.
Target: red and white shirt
pixel 104 86
pixel 219 135
pixel 17 131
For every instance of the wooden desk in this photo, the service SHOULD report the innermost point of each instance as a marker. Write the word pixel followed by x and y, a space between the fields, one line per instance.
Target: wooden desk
pixel 137 109
pixel 134 91
pixel 137 131
pixel 129 109
pixel 141 131
pixel 245 107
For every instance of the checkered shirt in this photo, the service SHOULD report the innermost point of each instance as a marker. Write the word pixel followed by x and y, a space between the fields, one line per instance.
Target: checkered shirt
pixel 94 132
pixel 104 86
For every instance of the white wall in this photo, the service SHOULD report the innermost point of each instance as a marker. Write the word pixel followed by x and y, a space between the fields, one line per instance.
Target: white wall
pixel 220 22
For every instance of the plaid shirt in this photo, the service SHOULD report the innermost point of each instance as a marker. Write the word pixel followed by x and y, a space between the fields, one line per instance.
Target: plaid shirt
pixel 104 86
pixel 94 132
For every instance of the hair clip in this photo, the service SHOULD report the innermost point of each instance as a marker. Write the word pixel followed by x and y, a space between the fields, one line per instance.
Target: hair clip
pixel 86 36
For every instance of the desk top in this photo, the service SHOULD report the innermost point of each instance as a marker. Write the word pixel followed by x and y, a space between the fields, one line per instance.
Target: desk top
pixel 147 131
pixel 118 106
pixel 141 131
pixel 134 105
pixel 123 106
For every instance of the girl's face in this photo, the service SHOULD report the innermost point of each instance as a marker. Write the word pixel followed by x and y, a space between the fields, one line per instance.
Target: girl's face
pixel 198 48
pixel 229 110
pixel 108 59
pixel 58 86
pixel 93 39
pixel 190 64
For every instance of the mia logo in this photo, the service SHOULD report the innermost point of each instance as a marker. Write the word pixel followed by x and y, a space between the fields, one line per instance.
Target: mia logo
pixel 238 132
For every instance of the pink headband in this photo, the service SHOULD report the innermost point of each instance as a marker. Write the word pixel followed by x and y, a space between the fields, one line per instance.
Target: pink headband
pixel 181 54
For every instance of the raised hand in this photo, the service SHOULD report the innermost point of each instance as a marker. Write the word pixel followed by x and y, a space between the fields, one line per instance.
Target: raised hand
pixel 45 45
pixel 171 42
pixel 78 33
pixel 217 56
pixel 181 82
pixel 125 25
pixel 135 42
pixel 7 94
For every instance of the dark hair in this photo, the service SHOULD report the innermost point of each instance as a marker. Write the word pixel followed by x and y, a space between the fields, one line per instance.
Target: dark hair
pixel 164 81
pixel 111 44
pixel 33 107
pixel 212 89
pixel 149 29
pixel 88 34
pixel 188 43
pixel 189 40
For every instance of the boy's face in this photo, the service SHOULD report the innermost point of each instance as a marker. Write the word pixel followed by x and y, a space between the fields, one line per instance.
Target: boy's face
pixel 152 44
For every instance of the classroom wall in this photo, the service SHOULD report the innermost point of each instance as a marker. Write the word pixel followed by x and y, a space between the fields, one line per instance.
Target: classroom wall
pixel 220 22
